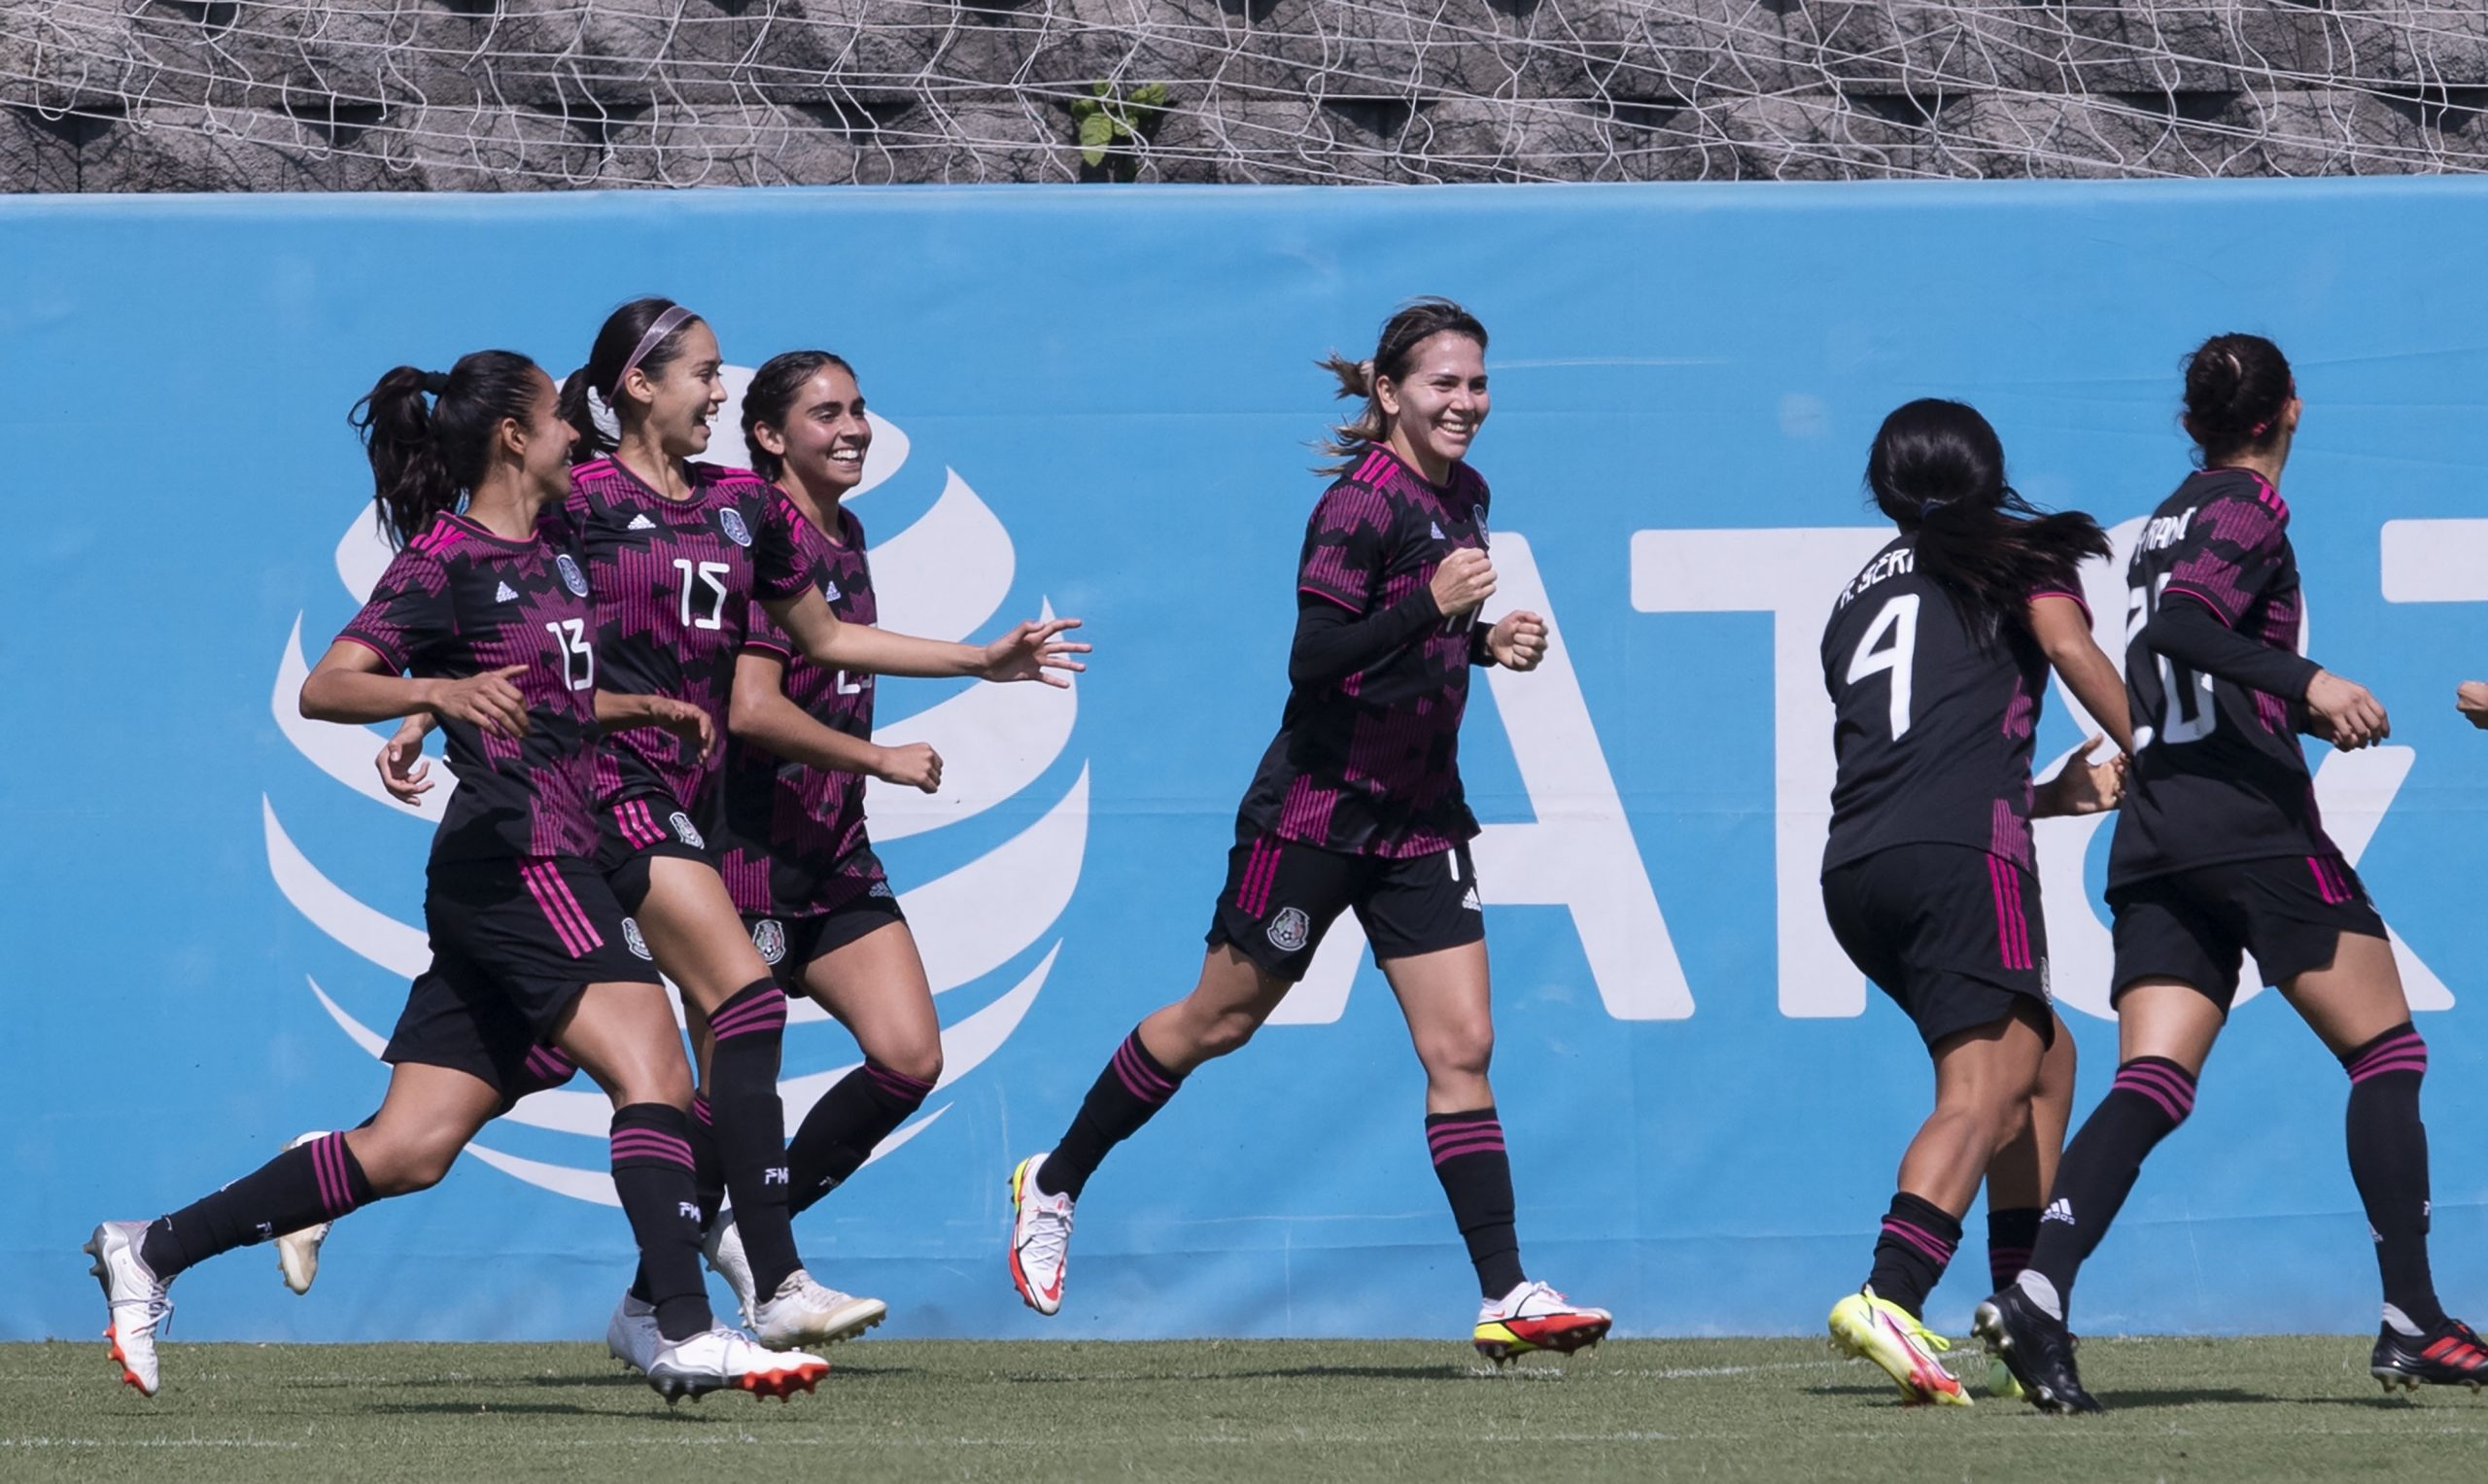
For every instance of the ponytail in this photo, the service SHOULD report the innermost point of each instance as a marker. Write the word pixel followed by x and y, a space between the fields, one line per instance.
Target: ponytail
pixel 2236 388
pixel 1937 471
pixel 428 433
pixel 624 340
pixel 1416 322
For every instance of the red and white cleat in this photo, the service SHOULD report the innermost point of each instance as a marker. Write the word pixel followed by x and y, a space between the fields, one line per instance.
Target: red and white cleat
pixel 1536 1317
pixel 139 1307
pixel 1040 1238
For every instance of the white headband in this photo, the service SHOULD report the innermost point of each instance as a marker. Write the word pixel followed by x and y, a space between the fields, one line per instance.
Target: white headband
pixel 665 325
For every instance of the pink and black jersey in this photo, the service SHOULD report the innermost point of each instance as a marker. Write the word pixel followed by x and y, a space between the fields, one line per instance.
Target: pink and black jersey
pixel 676 583
pixel 2218 773
pixel 1369 764
pixel 459 600
pixel 1932 728
pixel 797 841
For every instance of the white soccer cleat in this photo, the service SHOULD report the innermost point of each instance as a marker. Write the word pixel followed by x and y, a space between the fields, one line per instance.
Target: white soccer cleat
pixel 1535 1317
pixel 803 1311
pixel 298 1253
pixel 718 1358
pixel 139 1307
pixel 723 1248
pixel 1040 1238
pixel 631 1335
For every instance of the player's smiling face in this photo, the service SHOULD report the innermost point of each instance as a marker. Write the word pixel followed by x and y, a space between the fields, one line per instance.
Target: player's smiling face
pixel 1437 408
pixel 684 396
pixel 826 434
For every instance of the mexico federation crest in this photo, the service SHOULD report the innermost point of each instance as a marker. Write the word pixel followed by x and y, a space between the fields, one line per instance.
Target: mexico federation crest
pixel 571 577
pixel 1290 928
pixel 768 935
pixel 729 520
pixel 685 831
pixel 632 940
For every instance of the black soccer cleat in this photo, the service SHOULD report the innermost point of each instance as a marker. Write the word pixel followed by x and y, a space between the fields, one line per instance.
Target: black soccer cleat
pixel 2449 1354
pixel 2036 1349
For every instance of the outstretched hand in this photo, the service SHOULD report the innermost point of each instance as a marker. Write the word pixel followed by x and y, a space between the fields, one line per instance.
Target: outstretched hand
pixel 2470 698
pixel 1030 651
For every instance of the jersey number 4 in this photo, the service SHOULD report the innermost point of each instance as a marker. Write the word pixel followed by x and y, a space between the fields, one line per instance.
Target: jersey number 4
pixel 712 575
pixel 2184 696
pixel 1890 648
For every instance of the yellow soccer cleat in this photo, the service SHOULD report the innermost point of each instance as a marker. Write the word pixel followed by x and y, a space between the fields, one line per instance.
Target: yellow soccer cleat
pixel 1879 1331
pixel 2000 1382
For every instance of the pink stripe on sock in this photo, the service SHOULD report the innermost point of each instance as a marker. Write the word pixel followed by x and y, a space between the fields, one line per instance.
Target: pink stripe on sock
pixel 1483 1145
pixel 2176 1112
pixel 1920 1238
pixel 763 1012
pixel 1443 1133
pixel 2414 1063
pixel 1136 1076
pixel 896 1083
pixel 331 1180
pixel 700 1107
pixel 650 1144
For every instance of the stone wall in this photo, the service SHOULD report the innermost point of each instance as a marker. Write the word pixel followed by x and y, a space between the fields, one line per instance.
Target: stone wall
pixel 528 94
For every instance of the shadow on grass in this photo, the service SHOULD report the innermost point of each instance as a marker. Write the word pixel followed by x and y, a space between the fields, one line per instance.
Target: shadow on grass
pixel 2186 1395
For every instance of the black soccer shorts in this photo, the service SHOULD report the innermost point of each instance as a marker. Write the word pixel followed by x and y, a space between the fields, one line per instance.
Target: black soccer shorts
pixel 1281 897
pixel 634 833
pixel 2196 925
pixel 514 941
pixel 790 945
pixel 1955 935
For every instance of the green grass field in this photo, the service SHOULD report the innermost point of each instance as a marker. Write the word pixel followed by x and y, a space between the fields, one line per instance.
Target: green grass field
pixel 2261 1410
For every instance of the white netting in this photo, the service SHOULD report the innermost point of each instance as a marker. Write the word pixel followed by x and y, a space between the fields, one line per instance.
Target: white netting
pixel 474 94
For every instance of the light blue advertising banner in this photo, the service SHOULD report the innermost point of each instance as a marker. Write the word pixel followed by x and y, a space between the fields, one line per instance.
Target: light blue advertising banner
pixel 1100 401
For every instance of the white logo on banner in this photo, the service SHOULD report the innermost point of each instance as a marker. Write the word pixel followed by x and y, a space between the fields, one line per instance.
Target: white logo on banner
pixel 946 575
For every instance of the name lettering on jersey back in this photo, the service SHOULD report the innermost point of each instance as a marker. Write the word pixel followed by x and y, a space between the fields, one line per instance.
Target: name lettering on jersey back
pixel 2165 531
pixel 1891 564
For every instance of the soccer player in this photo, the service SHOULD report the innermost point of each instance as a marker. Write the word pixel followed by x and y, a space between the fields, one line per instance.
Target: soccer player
pixel 799 863
pixel 1358 806
pixel 2219 851
pixel 484 623
pixel 679 553
pixel 1937 657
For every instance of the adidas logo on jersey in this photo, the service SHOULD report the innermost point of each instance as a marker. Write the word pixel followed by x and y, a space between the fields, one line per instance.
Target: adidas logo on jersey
pixel 640 522
pixel 2059 1210
pixel 1470 903
pixel 1437 526
pixel 829 590
pixel 502 594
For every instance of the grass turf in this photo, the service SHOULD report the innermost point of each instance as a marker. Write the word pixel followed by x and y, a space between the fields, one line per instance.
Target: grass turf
pixel 2180 1409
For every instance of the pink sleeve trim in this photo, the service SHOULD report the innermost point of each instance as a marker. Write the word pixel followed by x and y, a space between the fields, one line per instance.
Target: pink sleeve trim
pixel 1330 597
pixel 2070 596
pixel 395 665
pixel 2205 598
pixel 768 647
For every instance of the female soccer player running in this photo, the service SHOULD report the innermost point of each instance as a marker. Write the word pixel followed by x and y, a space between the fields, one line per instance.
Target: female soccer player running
pixel 1358 806
pixel 1937 657
pixel 679 553
pixel 2219 851
pixel 483 624
pixel 799 864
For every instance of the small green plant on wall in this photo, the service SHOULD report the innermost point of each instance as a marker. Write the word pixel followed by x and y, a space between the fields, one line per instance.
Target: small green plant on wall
pixel 1111 121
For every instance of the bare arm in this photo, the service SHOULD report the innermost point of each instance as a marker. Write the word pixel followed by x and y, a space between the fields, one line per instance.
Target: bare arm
pixel 761 714
pixel 2064 631
pixel 352 684
pixel 620 711
pixel 1027 653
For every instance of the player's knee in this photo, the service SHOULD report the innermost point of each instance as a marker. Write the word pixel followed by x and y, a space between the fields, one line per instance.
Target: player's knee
pixel 1225 1031
pixel 1459 1051
pixel 666 1082
pixel 921 1060
pixel 404 1166
pixel 2401 1050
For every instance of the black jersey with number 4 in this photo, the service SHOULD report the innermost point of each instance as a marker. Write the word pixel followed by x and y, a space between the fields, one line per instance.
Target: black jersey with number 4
pixel 458 602
pixel 2218 773
pixel 1933 729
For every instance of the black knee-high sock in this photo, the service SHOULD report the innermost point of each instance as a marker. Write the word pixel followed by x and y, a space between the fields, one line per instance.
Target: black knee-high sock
pixel 708 1180
pixel 838 1134
pixel 652 1174
pixel 2150 1097
pixel 2389 1161
pixel 1914 1246
pixel 2010 1235
pixel 317 1182
pixel 1476 1174
pixel 750 1126
pixel 1132 1088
